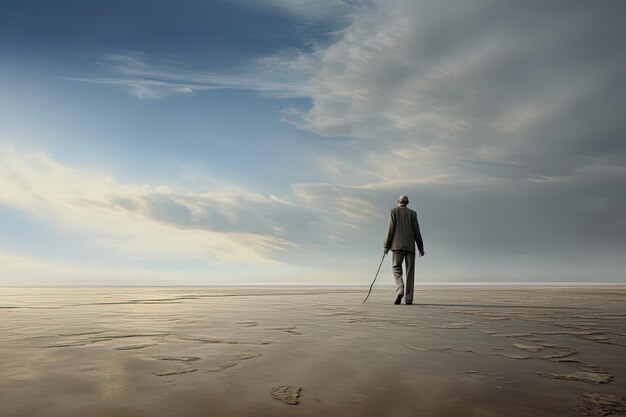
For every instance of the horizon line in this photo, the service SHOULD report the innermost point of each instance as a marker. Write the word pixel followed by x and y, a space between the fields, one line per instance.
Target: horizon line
pixel 320 285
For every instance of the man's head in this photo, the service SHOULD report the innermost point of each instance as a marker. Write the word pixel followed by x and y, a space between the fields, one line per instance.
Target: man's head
pixel 403 200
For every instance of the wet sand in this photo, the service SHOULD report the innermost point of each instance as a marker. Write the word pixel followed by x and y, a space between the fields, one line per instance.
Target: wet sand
pixel 309 352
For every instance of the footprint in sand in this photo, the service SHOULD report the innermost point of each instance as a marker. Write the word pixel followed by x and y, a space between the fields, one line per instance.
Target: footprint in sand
pixel 287 394
pixel 234 359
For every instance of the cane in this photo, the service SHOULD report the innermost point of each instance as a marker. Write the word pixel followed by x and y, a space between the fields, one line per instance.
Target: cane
pixel 379 265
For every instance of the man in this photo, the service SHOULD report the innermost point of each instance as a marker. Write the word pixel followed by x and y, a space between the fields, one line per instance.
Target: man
pixel 402 235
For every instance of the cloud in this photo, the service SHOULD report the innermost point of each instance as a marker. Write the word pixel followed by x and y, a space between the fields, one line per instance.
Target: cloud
pixel 504 119
pixel 152 219
pixel 474 83
pixel 462 91
pixel 472 86
pixel 149 78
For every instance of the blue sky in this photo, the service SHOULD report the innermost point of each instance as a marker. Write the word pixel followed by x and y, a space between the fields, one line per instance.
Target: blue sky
pixel 231 142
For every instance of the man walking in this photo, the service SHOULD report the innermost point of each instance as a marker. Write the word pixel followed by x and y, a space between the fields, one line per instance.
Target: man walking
pixel 402 235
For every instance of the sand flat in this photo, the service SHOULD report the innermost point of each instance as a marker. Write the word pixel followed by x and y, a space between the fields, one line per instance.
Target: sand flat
pixel 481 351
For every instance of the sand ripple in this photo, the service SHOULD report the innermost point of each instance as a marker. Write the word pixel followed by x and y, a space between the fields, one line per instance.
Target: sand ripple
pixel 175 371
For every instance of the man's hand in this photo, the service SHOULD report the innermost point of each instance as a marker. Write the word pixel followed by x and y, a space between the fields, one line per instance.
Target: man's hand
pixel 386 250
pixel 422 253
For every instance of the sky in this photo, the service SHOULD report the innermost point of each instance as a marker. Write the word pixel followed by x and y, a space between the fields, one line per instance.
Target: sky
pixel 235 142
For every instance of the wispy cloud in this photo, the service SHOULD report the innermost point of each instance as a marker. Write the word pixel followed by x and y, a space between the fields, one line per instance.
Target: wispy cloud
pixel 151 219
pixel 147 78
pixel 440 86
pixel 456 83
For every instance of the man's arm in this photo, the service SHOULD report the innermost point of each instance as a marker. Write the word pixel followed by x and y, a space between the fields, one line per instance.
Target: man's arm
pixel 390 230
pixel 418 235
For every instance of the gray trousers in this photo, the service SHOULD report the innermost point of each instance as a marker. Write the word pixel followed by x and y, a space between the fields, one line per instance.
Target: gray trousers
pixel 409 261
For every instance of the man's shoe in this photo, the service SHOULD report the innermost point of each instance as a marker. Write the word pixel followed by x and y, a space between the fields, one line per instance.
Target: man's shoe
pixel 409 303
pixel 398 299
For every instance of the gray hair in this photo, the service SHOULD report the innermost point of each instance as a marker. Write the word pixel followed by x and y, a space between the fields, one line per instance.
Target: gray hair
pixel 404 200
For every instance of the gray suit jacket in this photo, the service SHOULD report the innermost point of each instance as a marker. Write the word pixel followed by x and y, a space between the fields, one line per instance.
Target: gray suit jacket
pixel 403 231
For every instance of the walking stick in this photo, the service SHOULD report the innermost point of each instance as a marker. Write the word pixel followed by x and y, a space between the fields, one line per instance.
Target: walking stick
pixel 379 265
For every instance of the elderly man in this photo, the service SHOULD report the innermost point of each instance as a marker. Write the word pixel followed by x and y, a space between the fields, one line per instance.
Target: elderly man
pixel 402 235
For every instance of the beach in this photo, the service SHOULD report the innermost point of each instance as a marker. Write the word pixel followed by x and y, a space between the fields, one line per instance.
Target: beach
pixel 277 351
